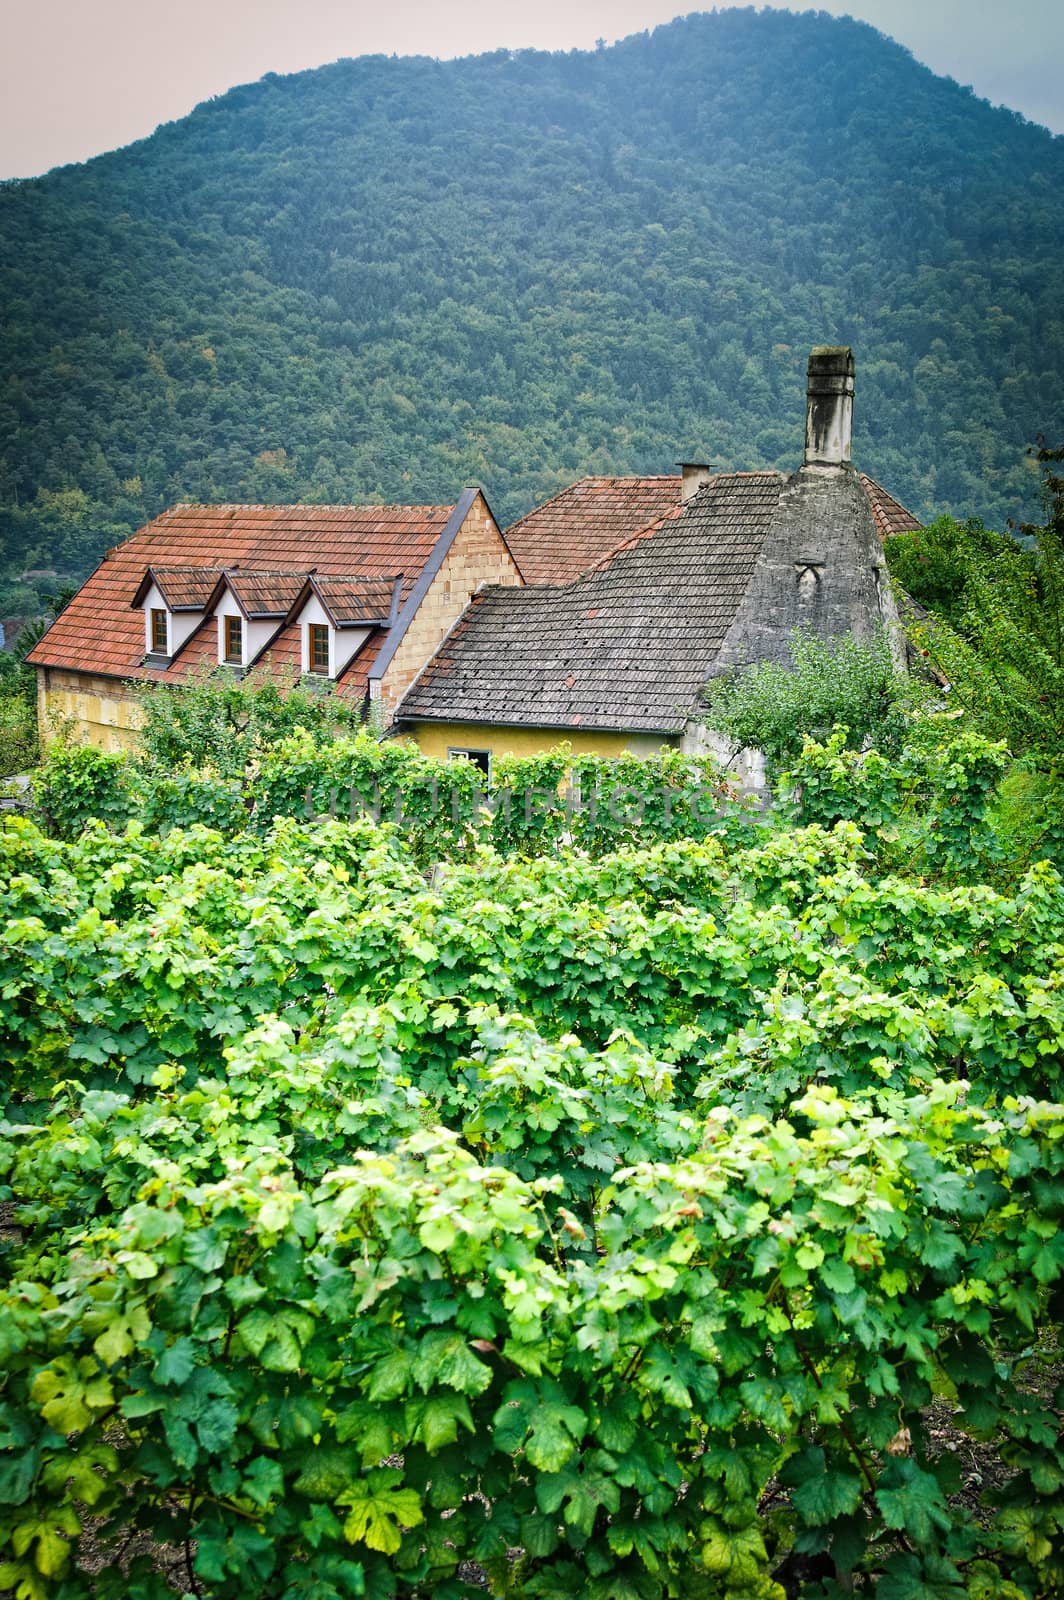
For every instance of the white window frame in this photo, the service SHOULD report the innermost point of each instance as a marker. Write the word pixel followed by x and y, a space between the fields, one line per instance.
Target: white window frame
pixel 470 753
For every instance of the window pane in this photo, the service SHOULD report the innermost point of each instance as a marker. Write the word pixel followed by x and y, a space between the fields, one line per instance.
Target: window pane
pixel 158 631
pixel 319 648
pixel 233 650
pixel 479 758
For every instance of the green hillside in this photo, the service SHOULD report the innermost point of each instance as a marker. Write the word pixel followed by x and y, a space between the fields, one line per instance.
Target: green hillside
pixel 390 277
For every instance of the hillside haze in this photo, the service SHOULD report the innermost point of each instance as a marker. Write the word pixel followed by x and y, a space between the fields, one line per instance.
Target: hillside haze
pixel 388 278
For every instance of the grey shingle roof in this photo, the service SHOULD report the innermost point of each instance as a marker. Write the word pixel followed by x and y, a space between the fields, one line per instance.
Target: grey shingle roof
pixel 629 646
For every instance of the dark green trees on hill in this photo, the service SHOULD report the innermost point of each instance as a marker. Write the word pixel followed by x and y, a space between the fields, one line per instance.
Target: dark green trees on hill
pixel 390 277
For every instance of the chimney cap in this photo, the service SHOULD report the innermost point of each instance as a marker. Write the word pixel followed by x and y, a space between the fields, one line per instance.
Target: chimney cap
pixel 694 475
pixel 830 361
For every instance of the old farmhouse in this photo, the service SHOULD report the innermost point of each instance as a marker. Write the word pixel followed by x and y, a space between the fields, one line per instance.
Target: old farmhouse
pixel 731 564
pixel 359 596
pixel 597 619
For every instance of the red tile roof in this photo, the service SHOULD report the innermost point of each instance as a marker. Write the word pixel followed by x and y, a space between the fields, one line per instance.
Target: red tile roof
pixel 354 600
pixel 263 594
pixel 99 632
pixel 889 514
pixel 183 588
pixel 572 532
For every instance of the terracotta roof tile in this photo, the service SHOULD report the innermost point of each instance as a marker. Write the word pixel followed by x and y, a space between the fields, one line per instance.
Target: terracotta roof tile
pixel 351 600
pixel 570 533
pixel 265 594
pixel 184 588
pixel 99 633
pixel 889 514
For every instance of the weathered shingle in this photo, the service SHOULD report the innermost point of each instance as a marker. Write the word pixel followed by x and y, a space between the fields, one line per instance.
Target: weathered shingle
pixel 628 646
pixel 583 526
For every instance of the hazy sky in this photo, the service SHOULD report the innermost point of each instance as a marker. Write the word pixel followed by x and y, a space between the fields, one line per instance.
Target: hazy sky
pixel 78 77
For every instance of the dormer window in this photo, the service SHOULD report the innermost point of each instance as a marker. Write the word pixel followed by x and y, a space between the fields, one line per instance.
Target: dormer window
pixel 318 648
pixel 174 602
pixel 336 615
pixel 232 641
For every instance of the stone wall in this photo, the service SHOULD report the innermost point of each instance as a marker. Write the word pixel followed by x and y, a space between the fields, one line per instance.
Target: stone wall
pixel 99 711
pixel 477 556
pixel 821 567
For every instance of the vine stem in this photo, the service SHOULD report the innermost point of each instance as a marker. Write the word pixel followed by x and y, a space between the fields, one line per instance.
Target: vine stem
pixel 193 1581
pixel 844 1428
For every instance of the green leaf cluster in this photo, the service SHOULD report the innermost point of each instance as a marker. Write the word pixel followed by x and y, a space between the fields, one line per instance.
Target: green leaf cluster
pixel 577 1225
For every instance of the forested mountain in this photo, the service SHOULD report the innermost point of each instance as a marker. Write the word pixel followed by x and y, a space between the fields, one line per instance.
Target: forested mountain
pixel 390 277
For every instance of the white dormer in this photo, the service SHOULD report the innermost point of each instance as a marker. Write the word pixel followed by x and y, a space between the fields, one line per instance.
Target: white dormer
pixel 249 607
pixel 326 650
pixel 336 616
pixel 174 602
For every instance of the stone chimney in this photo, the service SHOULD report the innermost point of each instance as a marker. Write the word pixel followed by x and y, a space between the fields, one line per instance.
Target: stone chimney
pixel 829 406
pixel 693 474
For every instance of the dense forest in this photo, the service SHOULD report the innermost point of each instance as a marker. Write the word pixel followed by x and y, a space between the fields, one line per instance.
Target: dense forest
pixel 390 277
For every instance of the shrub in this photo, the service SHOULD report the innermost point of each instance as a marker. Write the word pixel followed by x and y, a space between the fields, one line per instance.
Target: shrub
pixel 358 1384
pixel 776 708
pixel 217 721
pixel 79 784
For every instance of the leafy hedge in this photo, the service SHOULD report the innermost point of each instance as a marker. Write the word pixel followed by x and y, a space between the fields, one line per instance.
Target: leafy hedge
pixel 630 1226
pixel 126 953
pixel 356 1385
pixel 441 808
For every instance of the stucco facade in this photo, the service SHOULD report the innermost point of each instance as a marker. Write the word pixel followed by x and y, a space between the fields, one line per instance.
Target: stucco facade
pixel 437 738
pixel 97 710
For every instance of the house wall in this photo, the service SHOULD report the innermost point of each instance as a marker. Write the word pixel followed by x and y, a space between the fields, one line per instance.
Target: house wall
pixel 436 738
pixel 477 556
pixel 103 711
pixel 746 765
pixel 821 568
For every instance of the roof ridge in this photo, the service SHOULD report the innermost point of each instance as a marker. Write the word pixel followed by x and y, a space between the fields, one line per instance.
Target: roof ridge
pixel 300 505
pixel 543 503
pixel 631 540
pixel 354 577
pixel 674 512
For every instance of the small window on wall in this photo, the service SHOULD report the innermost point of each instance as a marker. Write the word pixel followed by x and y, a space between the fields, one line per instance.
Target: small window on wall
pixel 234 640
pixel 318 649
pixel 158 633
pixel 479 758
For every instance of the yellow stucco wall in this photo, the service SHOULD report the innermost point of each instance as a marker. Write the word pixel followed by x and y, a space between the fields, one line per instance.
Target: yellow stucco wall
pixel 436 738
pixel 96 710
pixel 478 555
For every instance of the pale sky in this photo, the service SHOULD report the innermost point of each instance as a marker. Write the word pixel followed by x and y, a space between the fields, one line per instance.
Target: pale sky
pixel 78 77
